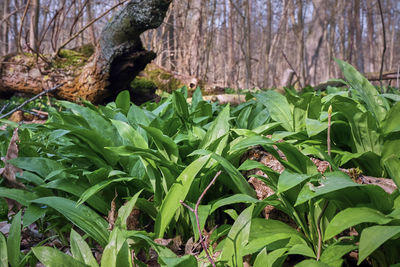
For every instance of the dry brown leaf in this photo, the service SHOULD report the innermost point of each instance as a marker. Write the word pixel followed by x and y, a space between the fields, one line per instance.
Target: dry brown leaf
pixel 9 171
pixel 112 216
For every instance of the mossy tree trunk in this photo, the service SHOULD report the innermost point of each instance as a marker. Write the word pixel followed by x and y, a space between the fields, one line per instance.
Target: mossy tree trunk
pixel 118 58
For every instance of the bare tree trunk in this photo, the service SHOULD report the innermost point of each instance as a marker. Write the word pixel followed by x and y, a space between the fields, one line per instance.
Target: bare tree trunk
pixel 359 42
pixel 34 21
pixel 89 12
pixel 268 43
pixel 119 57
pixel 370 27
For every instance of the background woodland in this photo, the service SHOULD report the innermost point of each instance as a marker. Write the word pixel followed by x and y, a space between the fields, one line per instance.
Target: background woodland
pixel 236 43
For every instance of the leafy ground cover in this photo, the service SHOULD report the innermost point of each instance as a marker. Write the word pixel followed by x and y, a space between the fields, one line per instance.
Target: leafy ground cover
pixel 123 185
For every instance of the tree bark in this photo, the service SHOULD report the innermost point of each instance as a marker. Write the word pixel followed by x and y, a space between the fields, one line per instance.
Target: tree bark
pixel 118 58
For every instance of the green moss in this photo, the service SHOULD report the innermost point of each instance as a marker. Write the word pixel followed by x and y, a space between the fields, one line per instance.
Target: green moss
pixel 69 58
pixel 143 86
pixel 164 81
pixel 86 50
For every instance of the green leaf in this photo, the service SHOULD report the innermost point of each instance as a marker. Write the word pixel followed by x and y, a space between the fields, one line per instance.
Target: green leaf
pixel 333 254
pixel 123 101
pixel 278 107
pixel 111 254
pixel 365 89
pixel 80 250
pixel 312 263
pixel 32 214
pixel 21 196
pixel 100 186
pixel 314 127
pixel 392 165
pixel 14 240
pixel 245 143
pixel 332 182
pixel 288 180
pixel 373 237
pixel 237 239
pixel 237 198
pixel 129 135
pixel 165 145
pixel 3 251
pixel 392 120
pixel 83 217
pixel 351 217
pixel 262 258
pixel 52 257
pixel 41 166
pixel 197 97
pixel 180 105
pixel 126 209
pixel 176 193
pixel 218 128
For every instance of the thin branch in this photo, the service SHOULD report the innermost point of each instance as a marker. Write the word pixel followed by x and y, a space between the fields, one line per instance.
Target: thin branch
pixel 196 214
pixel 21 26
pixel 290 65
pixel 384 44
pixel 31 99
pixel 87 26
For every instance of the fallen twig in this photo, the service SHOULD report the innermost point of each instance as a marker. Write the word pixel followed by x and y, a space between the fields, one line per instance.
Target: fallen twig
pixel 195 211
pixel 31 99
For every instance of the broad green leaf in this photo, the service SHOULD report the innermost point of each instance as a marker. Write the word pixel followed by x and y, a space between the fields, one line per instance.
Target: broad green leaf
pixel 116 244
pixel 245 143
pixel 237 239
pixel 264 232
pixel 100 186
pixel 21 196
pixel 184 261
pixel 392 165
pixel 302 249
pixel 314 127
pixel 126 209
pixel 176 193
pixel 123 101
pixel 288 180
pixel 80 250
pixel 3 251
pixel 32 214
pixel 14 240
pixel 312 263
pixel 52 257
pixel 165 145
pixel 236 182
pixel 180 105
pixel 365 89
pixel 83 217
pixel 295 158
pixel 262 259
pixel 364 128
pixel 333 254
pixel 41 166
pixel 218 128
pixel 393 97
pixel 237 198
pixel 351 217
pixel 77 188
pixel 392 120
pixel 137 116
pixel 243 119
pixel 129 135
pixel 196 98
pixel 332 182
pixel 278 107
pixel 373 237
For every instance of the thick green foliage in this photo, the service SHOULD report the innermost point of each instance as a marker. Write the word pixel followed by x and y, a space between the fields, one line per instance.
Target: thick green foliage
pixel 160 154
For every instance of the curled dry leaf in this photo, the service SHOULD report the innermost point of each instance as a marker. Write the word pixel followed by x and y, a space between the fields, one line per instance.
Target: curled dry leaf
pixel 9 171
